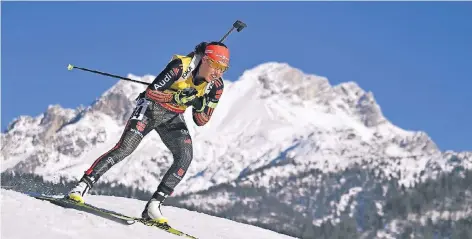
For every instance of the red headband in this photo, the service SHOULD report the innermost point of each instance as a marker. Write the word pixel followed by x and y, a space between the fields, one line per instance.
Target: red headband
pixel 218 53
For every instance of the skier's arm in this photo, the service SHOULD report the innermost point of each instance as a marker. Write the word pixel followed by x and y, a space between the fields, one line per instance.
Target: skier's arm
pixel 163 81
pixel 203 109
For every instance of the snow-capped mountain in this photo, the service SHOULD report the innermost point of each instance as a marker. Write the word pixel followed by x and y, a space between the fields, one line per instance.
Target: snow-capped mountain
pixel 274 126
pixel 271 113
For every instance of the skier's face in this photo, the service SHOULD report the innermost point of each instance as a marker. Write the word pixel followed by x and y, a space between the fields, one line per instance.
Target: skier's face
pixel 210 69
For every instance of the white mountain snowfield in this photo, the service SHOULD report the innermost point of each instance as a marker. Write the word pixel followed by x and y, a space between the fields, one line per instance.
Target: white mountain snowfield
pixel 270 109
pixel 272 114
pixel 26 217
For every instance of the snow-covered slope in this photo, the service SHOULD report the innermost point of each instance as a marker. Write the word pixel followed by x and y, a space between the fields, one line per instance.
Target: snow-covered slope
pixel 278 131
pixel 26 217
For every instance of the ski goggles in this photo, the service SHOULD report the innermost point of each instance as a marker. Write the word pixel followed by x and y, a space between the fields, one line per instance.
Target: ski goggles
pixel 217 65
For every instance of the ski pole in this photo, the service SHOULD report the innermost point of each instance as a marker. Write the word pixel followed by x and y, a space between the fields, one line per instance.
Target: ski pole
pixel 70 67
pixel 238 25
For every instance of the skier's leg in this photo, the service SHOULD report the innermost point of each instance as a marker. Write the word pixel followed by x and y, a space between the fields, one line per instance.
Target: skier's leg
pixel 177 138
pixel 138 126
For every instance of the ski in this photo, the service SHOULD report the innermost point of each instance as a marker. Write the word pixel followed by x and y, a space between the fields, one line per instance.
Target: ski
pixel 166 227
pixel 108 214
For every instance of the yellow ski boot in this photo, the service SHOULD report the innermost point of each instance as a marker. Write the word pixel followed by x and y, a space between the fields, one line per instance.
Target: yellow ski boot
pixel 78 192
pixel 153 212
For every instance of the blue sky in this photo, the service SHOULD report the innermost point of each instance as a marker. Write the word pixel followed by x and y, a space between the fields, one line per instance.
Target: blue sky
pixel 415 57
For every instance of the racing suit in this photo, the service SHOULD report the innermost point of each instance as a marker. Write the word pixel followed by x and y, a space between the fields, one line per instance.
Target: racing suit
pixel 156 110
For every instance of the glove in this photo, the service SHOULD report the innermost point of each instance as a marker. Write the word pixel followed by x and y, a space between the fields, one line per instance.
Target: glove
pixel 185 96
pixel 200 48
pixel 199 103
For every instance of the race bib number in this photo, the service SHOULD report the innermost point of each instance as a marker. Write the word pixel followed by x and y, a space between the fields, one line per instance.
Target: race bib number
pixel 140 109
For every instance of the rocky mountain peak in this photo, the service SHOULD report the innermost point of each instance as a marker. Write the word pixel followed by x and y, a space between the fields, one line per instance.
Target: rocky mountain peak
pixel 281 81
pixel 352 99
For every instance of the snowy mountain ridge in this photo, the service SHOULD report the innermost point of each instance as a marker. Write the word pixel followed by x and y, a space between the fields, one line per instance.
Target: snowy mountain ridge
pixel 284 149
pixel 272 113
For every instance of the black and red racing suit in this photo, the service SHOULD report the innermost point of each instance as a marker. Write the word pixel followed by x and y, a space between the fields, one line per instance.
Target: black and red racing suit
pixel 152 112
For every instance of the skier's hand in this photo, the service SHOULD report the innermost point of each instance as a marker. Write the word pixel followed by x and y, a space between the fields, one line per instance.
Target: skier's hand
pixel 185 96
pixel 199 103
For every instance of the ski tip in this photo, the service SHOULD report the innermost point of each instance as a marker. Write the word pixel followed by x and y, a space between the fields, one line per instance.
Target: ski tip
pixel 131 222
pixel 70 67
